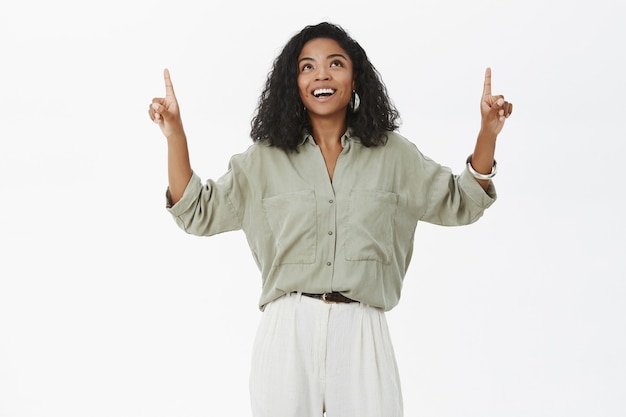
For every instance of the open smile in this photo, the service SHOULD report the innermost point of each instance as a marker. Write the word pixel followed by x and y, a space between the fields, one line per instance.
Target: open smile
pixel 323 92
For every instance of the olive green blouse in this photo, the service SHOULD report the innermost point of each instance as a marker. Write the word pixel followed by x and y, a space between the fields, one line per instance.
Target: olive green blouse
pixel 353 235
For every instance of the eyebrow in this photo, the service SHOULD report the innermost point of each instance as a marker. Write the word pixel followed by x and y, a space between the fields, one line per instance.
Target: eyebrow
pixel 306 58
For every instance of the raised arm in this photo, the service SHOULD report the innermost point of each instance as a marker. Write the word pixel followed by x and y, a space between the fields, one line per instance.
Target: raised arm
pixel 494 111
pixel 164 111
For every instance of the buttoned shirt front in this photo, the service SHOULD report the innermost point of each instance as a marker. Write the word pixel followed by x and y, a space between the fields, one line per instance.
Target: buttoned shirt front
pixel 353 235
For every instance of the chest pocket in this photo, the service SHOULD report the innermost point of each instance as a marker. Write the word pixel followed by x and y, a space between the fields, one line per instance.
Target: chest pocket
pixel 292 218
pixel 371 226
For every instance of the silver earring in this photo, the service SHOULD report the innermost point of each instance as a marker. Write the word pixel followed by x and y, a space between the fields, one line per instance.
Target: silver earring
pixel 355 103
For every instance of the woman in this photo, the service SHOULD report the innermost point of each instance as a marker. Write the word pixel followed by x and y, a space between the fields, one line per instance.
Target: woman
pixel 328 196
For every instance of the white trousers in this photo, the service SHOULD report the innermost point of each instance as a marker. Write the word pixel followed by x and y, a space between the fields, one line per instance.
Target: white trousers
pixel 311 358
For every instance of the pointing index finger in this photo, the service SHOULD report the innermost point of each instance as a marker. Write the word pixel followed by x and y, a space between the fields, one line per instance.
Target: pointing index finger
pixel 487 84
pixel 169 88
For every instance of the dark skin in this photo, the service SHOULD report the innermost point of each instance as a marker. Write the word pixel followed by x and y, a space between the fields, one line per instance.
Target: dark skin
pixel 325 66
pixel 494 111
pixel 166 113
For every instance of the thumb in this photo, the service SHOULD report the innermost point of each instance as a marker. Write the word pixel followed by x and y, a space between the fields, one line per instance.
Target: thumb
pixel 157 110
pixel 497 108
pixel 161 112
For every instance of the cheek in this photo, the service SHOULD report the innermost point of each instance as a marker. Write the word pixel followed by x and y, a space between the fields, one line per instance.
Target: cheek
pixel 349 83
pixel 302 87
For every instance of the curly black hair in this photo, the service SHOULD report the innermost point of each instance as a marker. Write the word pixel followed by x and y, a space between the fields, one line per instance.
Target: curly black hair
pixel 281 119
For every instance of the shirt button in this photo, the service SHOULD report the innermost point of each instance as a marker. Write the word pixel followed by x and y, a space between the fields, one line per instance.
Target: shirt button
pixel 330 201
pixel 328 263
pixel 330 233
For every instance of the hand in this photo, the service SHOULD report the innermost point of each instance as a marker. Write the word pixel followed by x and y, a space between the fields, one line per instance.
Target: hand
pixel 494 110
pixel 165 111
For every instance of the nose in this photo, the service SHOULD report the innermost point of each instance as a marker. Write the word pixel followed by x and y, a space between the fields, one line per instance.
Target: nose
pixel 322 74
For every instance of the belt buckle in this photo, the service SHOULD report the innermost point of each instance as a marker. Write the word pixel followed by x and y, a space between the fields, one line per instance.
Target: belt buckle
pixel 325 300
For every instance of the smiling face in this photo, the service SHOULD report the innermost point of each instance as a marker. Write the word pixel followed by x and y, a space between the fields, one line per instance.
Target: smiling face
pixel 325 78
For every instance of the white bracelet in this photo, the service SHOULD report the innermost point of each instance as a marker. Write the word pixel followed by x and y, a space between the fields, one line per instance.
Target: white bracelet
pixel 478 175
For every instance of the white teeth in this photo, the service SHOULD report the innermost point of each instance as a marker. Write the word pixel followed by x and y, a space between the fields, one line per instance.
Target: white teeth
pixel 321 91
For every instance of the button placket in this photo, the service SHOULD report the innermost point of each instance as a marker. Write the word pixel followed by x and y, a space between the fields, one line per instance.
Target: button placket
pixel 331 232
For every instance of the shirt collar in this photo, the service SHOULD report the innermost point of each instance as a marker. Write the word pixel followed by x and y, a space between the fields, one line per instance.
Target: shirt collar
pixel 345 138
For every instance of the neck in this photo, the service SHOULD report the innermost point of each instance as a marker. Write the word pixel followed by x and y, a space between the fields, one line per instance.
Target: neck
pixel 328 132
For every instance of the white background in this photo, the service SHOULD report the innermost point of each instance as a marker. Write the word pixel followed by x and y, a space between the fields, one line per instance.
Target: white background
pixel 108 309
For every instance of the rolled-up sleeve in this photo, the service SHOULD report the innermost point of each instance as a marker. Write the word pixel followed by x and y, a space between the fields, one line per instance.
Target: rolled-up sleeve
pixel 455 200
pixel 207 209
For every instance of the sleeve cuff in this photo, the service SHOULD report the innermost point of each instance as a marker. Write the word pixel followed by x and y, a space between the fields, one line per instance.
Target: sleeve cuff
pixel 484 198
pixel 189 196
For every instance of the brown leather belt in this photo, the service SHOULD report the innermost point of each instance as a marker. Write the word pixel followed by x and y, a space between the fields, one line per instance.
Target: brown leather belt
pixel 331 297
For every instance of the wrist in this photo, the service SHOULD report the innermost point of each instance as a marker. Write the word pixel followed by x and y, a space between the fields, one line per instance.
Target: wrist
pixel 480 175
pixel 487 135
pixel 175 134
